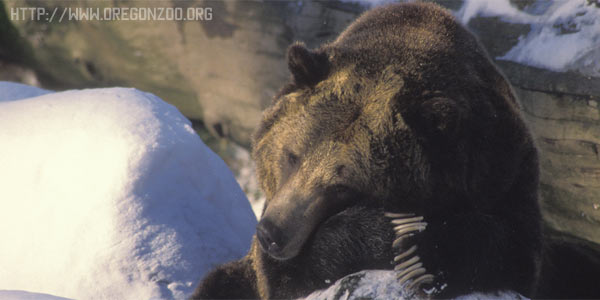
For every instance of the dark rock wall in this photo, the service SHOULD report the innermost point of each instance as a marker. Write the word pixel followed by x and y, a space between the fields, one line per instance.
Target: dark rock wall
pixel 562 110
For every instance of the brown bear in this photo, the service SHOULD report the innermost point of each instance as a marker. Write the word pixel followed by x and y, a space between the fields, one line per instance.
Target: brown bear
pixel 402 116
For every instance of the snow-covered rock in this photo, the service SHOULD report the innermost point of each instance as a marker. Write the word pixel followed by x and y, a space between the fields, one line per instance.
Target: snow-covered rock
pixel 564 35
pixel 372 284
pixel 109 194
pixel 378 284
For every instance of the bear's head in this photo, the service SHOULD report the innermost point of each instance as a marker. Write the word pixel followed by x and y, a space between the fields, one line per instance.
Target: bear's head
pixel 399 116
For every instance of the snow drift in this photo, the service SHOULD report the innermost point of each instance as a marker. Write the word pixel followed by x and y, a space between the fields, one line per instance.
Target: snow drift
pixel 109 194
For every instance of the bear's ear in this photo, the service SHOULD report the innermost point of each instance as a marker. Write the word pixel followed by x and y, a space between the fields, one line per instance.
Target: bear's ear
pixel 307 67
pixel 440 118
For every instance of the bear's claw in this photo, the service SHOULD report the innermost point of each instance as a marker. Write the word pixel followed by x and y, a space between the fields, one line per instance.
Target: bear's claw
pixel 405 254
pixel 410 269
pixel 406 220
pixel 397 215
pixel 427 278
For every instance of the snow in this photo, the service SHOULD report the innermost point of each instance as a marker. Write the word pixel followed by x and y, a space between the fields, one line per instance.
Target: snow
pixel 564 36
pixel 109 194
pixel 15 91
pixel 371 284
pixel 378 284
pixel 22 295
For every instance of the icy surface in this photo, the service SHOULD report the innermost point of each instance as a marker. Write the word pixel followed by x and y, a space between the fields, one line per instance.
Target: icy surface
pixel 378 284
pixel 565 35
pixel 109 194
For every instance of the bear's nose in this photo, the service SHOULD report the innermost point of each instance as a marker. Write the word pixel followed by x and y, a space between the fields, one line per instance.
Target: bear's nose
pixel 269 237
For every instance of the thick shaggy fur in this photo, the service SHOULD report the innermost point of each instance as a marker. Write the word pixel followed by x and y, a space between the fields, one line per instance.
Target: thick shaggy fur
pixel 570 268
pixel 403 113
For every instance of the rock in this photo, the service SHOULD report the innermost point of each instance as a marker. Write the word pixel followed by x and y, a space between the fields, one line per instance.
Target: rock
pixel 505 35
pixel 17 73
pixel 562 111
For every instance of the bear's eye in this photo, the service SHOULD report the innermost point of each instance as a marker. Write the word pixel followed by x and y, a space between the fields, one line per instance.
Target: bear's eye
pixel 340 170
pixel 292 158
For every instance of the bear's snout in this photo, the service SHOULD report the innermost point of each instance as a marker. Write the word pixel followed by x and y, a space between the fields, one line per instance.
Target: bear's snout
pixel 270 238
pixel 290 218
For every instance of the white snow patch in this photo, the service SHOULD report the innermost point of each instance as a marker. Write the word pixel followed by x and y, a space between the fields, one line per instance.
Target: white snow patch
pixel 565 35
pixel 109 194
pixel 374 284
pixel 379 284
